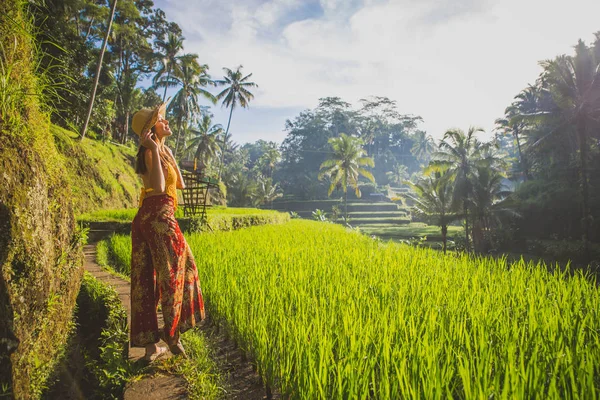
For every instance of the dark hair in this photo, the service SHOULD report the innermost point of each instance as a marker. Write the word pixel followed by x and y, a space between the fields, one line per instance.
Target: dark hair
pixel 140 159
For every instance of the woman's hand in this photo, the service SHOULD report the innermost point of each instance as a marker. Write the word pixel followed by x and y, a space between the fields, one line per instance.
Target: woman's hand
pixel 148 142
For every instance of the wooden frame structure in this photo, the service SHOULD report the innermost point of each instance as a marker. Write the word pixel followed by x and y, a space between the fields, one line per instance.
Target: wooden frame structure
pixel 195 194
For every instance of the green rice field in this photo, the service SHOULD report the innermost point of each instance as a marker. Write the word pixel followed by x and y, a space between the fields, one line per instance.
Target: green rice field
pixel 127 214
pixel 332 314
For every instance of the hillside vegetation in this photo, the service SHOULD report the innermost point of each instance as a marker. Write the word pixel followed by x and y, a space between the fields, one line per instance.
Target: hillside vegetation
pixel 101 175
pixel 40 254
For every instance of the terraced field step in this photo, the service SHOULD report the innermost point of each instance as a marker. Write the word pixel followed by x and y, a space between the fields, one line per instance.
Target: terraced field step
pixel 362 214
pixel 377 214
pixel 367 221
pixel 327 207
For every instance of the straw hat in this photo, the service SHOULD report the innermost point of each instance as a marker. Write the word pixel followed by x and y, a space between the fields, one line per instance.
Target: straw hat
pixel 146 118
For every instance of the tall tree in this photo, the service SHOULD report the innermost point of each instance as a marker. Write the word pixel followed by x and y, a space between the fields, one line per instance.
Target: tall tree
pixel 132 56
pixel 168 50
pixel 525 104
pixel 266 191
pixel 433 198
pixel 423 146
pixel 269 159
pixel 100 58
pixel 574 84
pixel 398 175
pixel 192 79
pixel 205 142
pixel 345 165
pixel 488 191
pixel 236 93
pixel 459 154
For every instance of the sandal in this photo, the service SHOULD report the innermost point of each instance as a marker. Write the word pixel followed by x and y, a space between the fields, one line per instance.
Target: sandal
pixel 153 356
pixel 177 349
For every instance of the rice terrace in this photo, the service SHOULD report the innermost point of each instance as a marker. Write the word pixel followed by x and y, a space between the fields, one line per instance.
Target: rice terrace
pixel 299 200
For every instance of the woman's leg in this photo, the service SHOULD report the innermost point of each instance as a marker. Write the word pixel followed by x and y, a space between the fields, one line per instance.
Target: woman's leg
pixel 192 309
pixel 177 279
pixel 144 294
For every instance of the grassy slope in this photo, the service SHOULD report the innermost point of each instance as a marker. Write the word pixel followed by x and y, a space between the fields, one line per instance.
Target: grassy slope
pixel 101 174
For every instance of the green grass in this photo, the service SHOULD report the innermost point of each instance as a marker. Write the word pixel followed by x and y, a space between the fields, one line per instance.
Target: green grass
pixel 101 175
pixel 379 220
pixel 332 314
pixel 414 229
pixel 114 255
pixel 102 321
pixel 328 313
pixel 376 214
pixel 203 379
pixel 127 214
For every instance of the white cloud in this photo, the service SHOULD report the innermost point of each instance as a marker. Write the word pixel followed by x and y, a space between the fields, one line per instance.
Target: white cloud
pixel 455 63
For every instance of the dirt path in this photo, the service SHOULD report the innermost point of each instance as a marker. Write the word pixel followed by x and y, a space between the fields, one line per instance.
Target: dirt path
pixel 242 382
pixel 155 386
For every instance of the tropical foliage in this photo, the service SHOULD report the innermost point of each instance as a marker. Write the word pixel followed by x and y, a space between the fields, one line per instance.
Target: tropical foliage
pixel 433 197
pixel 547 137
pixel 346 165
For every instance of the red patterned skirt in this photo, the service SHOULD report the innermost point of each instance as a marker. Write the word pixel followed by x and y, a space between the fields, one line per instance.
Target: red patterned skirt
pixel 162 269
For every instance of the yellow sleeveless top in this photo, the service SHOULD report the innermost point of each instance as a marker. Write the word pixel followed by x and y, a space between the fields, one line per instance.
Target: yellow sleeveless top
pixel 170 186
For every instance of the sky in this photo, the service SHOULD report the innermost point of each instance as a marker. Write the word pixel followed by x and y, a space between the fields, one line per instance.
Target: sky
pixel 455 63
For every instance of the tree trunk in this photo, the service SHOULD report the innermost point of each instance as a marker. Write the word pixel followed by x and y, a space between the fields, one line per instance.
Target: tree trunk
pixel 478 235
pixel 98 69
pixel 466 210
pixel 166 84
pixel 225 143
pixel 126 130
pixel 346 204
pixel 444 236
pixel 585 221
pixel 522 161
pixel 180 130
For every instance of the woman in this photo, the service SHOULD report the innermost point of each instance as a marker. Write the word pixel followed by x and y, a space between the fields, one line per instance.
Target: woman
pixel 162 265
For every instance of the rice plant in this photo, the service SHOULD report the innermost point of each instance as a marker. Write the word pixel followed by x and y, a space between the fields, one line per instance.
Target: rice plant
pixel 329 313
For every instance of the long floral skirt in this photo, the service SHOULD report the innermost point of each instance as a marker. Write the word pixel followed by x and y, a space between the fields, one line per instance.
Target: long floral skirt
pixel 162 269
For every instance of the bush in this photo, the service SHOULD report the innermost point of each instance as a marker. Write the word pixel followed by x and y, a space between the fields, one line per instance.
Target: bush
pixel 102 324
pixel 229 222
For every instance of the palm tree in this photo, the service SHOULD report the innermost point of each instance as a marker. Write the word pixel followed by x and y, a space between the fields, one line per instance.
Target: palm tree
pixel 236 93
pixel 269 159
pixel 266 191
pixel 192 79
pixel 574 84
pixel 398 175
pixel 170 48
pixel 205 141
pixel 525 103
pixel 423 146
pixel 433 198
pixel 488 190
pixel 241 190
pixel 459 154
pixel 99 68
pixel 346 164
